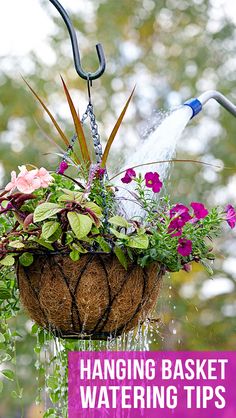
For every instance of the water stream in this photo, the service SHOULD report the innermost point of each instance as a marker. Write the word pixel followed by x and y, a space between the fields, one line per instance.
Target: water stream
pixel 159 145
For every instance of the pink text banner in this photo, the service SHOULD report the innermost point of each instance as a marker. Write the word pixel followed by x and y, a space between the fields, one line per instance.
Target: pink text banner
pixel 152 384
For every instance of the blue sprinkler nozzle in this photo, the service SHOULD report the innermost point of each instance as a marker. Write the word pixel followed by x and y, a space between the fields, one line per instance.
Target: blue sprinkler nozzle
pixel 195 105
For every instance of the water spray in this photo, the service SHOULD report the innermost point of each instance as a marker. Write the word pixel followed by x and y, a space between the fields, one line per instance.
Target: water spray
pixel 197 104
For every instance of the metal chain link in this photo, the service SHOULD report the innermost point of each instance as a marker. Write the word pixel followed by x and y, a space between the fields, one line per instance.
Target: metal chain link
pixel 89 114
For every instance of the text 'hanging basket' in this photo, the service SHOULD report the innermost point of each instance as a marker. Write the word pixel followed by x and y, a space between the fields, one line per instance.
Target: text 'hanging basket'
pixel 94 297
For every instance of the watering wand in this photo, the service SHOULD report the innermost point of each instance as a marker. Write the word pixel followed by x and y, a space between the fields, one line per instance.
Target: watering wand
pixel 197 104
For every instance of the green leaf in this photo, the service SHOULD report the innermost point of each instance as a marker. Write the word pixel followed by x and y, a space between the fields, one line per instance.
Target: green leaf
pixel 16 395
pixel 5 357
pixel 69 237
pixel 80 224
pixel 103 244
pixel 8 261
pixel 207 267
pixel 54 396
pixel 79 248
pixel 56 236
pixel 9 374
pixel 37 349
pixel 121 257
pixel 52 382
pixel 70 195
pixel 34 329
pixel 2 338
pixel 44 243
pixel 74 255
pixel 138 241
pixel 211 256
pixel 16 244
pixel 119 234
pixel 26 259
pixel 4 292
pixel 45 211
pixel 94 208
pixel 49 228
pixel 50 413
pixel 119 221
pixel 1 386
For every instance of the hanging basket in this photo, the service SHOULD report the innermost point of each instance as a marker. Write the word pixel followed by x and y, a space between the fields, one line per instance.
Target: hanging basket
pixel 94 297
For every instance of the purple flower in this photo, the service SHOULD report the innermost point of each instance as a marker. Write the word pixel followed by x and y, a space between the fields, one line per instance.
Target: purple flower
pixel 180 216
pixel 153 182
pixel 185 247
pixel 129 176
pixel 101 171
pixel 62 167
pixel 178 210
pixel 230 216
pixel 174 229
pixel 199 209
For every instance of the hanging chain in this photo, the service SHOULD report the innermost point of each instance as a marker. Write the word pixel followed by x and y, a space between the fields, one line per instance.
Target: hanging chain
pixel 89 114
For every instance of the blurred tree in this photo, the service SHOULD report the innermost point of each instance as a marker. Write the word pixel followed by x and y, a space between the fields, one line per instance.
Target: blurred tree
pixel 172 49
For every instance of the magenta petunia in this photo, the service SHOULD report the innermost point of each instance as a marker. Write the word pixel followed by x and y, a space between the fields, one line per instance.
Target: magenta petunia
pixel 175 230
pixel 129 176
pixel 184 247
pixel 230 216
pixel 62 167
pixel 153 181
pixel 200 212
pixel 101 172
pixel 178 210
pixel 179 215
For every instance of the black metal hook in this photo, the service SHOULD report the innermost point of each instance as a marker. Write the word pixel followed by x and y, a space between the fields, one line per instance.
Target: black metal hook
pixel 83 74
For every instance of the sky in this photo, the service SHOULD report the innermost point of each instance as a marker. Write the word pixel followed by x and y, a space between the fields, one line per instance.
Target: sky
pixel 25 25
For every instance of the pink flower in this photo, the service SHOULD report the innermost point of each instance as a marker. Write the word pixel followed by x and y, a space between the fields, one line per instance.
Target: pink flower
pixel 44 177
pixel 12 185
pixel 153 182
pixel 29 181
pixel 199 209
pixel 129 176
pixel 230 216
pixel 185 247
pixel 62 167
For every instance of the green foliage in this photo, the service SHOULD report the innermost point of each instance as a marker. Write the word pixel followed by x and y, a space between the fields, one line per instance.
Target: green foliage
pixel 45 211
pixel 80 224
pixel 26 259
pixel 119 221
pixel 120 254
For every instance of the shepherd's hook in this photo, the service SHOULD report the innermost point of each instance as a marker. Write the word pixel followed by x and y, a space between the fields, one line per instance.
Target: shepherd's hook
pixel 83 74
